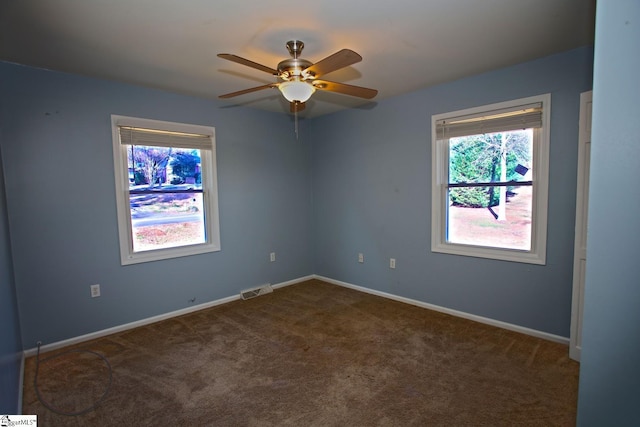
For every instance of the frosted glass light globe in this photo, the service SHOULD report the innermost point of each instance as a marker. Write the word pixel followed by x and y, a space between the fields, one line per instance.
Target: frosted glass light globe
pixel 296 90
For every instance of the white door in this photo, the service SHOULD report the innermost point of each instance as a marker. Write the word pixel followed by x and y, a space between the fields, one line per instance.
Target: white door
pixel 580 245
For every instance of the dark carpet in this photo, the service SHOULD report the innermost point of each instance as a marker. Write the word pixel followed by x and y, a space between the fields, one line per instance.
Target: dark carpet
pixel 311 354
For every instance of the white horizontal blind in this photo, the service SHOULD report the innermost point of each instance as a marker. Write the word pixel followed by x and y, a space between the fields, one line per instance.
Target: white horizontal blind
pixel 161 138
pixel 513 118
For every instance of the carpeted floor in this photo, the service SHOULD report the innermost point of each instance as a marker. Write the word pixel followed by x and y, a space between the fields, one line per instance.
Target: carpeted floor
pixel 311 354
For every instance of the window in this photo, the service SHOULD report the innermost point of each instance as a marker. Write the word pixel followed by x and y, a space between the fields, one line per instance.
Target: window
pixel 166 189
pixel 490 181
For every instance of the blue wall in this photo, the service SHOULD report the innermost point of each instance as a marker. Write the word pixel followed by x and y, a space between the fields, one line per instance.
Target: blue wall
pixel 609 373
pixel 357 181
pixel 10 341
pixel 372 190
pixel 61 202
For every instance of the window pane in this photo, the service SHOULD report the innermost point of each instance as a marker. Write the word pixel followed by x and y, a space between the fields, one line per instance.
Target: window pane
pixel 492 157
pixel 166 220
pixel 161 217
pixel 492 216
pixel 156 167
pixel 505 225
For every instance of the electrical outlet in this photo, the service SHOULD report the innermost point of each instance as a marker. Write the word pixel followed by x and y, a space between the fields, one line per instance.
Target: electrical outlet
pixel 392 263
pixel 360 258
pixel 95 291
pixel 272 256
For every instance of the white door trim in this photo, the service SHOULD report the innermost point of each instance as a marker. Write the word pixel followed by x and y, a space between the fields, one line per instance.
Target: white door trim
pixel 580 243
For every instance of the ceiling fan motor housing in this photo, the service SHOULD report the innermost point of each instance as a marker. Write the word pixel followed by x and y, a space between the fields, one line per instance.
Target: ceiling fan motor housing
pixel 289 69
pixel 292 69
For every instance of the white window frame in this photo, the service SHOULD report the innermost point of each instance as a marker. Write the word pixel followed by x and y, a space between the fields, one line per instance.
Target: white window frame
pixel 540 178
pixel 209 191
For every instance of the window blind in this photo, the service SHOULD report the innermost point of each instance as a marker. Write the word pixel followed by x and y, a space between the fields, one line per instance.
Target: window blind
pixel 514 118
pixel 161 138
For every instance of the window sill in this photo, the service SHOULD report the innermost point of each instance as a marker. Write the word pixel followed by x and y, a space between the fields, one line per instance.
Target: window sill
pixel 161 254
pixel 512 255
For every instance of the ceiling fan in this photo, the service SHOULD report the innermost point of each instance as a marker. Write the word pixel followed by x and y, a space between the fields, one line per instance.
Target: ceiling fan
pixel 298 78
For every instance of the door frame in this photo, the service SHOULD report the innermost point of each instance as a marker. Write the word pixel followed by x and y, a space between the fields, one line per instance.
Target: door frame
pixel 580 241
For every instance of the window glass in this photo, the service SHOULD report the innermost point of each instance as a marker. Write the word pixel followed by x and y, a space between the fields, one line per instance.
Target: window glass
pixel 165 197
pixel 491 215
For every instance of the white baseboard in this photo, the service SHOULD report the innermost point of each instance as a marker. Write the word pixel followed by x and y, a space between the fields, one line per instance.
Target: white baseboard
pixel 99 334
pixel 480 319
pixel 575 352
pixel 292 282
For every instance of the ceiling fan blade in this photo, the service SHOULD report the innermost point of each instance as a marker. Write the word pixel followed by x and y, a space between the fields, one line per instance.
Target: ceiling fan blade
pixel 297 106
pixel 240 60
pixel 334 62
pixel 361 92
pixel 242 92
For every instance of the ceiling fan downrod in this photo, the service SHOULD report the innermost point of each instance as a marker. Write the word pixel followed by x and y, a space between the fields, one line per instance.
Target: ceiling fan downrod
pixel 295 48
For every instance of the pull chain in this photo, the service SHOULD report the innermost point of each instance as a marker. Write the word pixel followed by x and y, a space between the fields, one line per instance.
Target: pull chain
pixel 295 113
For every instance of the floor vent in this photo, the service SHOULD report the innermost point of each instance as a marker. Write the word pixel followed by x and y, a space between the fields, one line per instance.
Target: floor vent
pixel 255 292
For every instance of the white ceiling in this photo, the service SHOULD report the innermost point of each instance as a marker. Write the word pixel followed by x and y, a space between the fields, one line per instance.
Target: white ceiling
pixel 405 44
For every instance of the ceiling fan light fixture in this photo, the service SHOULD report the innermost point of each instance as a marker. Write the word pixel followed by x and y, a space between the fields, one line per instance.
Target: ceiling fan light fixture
pixel 296 90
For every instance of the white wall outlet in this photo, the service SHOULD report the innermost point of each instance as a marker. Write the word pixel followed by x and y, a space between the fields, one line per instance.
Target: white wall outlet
pixel 360 258
pixel 95 291
pixel 392 263
pixel 272 256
